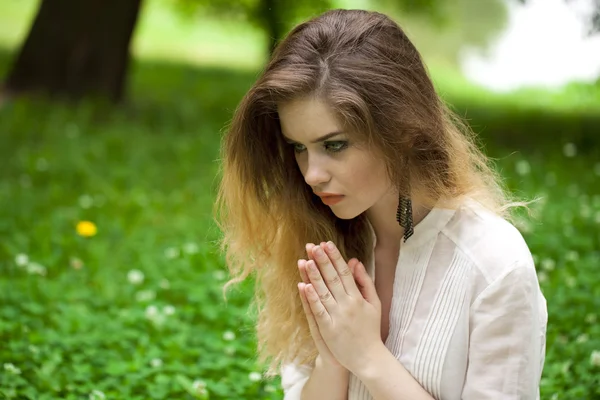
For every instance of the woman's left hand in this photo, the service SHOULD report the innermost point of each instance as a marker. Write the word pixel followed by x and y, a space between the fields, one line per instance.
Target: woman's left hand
pixel 348 317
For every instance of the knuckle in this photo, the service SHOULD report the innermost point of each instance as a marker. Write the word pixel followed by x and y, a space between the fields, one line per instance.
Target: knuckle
pixel 345 272
pixel 325 297
pixel 334 281
pixel 321 314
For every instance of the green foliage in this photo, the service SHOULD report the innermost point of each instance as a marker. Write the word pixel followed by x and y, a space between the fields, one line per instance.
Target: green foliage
pixel 449 23
pixel 136 311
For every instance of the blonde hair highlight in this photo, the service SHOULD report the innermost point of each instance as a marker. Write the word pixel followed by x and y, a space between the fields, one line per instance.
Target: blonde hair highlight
pixel 374 79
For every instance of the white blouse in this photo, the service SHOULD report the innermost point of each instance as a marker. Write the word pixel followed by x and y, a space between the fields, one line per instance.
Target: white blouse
pixel 467 318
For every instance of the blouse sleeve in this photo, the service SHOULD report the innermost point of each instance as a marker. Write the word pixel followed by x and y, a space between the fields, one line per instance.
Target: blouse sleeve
pixel 507 338
pixel 293 379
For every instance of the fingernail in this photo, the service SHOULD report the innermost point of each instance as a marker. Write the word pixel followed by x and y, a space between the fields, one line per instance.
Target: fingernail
pixel 318 251
pixel 330 246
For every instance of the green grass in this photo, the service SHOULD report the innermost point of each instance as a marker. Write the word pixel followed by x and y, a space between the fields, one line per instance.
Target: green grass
pixel 145 175
pixel 71 321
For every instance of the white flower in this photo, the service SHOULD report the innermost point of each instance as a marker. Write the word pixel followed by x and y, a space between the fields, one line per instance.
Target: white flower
pixel 199 386
pixel 595 358
pixel 219 274
pixel 591 318
pixel 86 201
pixel 10 368
pixel 76 263
pixel 585 211
pixel 144 296
pixel 569 150
pixel 229 350
pixel 135 277
pixel 171 252
pixel 156 363
pixel 548 264
pixel 21 259
pixel 542 276
pixel 154 315
pixel 269 388
pixel 35 268
pixel 566 366
pixel 255 376
pixel 97 395
pixel 169 310
pixel 523 167
pixel 572 255
pixel 191 248
pixel 229 336
pixel 582 338
pixel 151 312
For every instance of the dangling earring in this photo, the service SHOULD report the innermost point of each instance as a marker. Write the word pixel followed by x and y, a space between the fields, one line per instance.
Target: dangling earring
pixel 404 216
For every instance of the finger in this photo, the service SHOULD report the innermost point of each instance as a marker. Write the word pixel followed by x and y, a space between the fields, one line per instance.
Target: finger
pixel 319 311
pixel 309 247
pixel 319 285
pixel 352 265
pixel 330 275
pixel 344 272
pixel 302 269
pixel 366 285
pixel 312 323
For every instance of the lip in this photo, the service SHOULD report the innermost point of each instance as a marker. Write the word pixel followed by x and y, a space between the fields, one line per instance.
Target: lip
pixel 331 200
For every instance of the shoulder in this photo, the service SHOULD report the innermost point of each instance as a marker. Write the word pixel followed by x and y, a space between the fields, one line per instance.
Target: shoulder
pixel 493 246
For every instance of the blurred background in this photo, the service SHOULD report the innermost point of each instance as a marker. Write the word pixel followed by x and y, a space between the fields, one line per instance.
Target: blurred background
pixel 111 114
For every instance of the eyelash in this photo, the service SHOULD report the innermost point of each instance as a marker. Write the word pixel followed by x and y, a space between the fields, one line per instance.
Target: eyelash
pixel 339 145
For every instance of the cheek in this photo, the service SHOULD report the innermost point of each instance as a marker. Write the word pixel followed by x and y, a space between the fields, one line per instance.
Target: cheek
pixel 301 163
pixel 368 176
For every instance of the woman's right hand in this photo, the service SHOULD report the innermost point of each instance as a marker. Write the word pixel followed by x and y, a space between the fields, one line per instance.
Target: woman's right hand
pixel 325 356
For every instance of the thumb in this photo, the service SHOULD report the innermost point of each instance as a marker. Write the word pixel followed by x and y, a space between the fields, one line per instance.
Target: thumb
pixel 365 284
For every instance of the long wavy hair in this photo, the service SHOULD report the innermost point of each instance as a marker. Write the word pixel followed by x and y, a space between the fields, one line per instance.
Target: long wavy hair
pixel 365 68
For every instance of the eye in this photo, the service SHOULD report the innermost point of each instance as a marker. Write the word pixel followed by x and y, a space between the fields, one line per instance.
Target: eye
pixel 298 148
pixel 335 147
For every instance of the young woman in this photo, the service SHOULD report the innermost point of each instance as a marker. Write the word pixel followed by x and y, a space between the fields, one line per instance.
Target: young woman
pixel 379 236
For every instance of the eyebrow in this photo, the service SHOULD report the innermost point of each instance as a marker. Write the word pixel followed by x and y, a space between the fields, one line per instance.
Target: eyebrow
pixel 317 140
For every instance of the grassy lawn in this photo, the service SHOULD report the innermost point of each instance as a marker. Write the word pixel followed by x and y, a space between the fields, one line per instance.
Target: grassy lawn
pixel 136 311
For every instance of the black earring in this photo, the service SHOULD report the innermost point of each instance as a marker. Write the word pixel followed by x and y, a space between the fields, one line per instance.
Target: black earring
pixel 404 216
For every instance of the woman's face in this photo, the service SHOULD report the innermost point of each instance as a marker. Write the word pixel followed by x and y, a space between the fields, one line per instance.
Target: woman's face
pixel 329 160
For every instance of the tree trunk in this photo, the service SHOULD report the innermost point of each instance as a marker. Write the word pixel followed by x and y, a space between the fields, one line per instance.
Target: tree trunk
pixel 269 11
pixel 76 48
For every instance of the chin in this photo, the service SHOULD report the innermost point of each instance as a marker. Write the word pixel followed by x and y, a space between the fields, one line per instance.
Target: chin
pixel 343 214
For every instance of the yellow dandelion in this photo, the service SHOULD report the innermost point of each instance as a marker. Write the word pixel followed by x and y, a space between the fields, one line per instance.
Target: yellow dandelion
pixel 86 228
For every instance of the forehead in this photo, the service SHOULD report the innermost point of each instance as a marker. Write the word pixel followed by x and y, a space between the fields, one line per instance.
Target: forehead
pixel 306 119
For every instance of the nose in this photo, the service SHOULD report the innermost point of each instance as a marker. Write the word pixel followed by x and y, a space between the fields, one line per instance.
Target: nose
pixel 315 172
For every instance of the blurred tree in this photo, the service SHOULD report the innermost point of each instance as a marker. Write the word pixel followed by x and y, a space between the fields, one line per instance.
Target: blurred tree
pixel 276 17
pixel 76 48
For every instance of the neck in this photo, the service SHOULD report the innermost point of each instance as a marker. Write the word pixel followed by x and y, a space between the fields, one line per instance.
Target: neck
pixel 382 216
